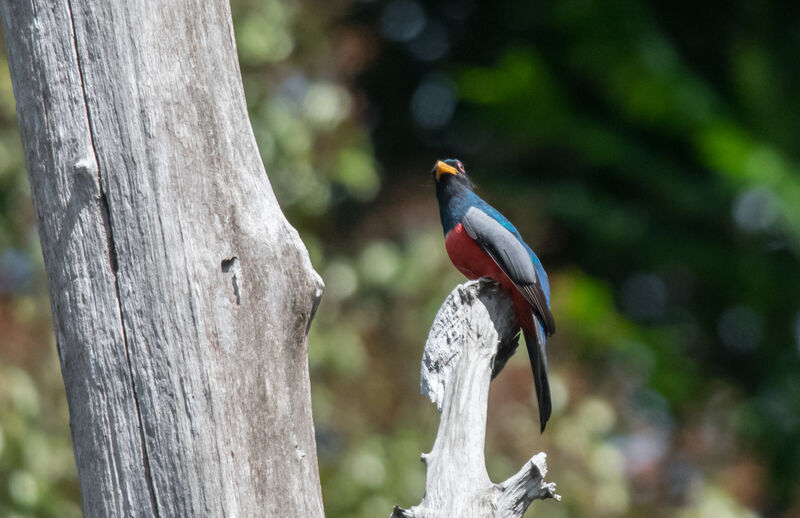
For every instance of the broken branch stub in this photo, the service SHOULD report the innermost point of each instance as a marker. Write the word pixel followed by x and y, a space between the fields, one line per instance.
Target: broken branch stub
pixel 472 336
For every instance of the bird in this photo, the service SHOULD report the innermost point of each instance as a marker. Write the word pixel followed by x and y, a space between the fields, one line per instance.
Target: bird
pixel 481 242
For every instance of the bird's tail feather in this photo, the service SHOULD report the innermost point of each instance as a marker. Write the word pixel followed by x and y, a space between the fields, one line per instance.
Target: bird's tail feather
pixel 538 357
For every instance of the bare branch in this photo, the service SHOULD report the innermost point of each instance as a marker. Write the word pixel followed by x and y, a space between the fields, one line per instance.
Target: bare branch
pixel 525 486
pixel 472 336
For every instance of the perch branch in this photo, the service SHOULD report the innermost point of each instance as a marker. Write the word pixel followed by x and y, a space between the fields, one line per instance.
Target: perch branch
pixel 473 335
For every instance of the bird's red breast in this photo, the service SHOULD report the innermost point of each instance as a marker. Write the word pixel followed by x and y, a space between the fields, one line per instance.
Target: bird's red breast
pixel 474 263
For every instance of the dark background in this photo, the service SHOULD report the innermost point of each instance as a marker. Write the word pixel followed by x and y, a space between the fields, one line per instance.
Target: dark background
pixel 647 152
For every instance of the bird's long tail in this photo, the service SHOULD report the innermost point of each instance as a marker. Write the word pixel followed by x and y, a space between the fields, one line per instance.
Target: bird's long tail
pixel 538 357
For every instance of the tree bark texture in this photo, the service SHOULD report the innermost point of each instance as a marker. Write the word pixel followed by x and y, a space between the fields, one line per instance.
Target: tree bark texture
pixel 181 296
pixel 473 335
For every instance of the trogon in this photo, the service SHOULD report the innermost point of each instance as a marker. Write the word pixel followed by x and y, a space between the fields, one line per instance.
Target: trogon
pixel 481 242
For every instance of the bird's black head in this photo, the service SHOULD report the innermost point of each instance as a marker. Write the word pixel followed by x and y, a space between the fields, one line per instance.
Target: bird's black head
pixel 451 172
pixel 453 191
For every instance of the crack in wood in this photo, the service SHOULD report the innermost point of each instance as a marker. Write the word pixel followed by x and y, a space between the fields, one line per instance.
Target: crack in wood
pixel 105 213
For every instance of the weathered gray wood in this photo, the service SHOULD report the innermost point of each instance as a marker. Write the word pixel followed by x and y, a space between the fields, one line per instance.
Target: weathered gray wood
pixel 181 296
pixel 472 336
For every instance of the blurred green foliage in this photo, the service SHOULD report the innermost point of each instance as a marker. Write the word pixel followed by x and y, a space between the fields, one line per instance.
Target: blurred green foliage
pixel 647 151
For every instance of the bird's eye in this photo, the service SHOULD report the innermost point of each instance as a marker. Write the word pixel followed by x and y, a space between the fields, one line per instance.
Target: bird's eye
pixel 460 166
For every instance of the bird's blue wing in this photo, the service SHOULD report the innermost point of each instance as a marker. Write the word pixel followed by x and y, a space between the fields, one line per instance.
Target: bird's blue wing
pixel 514 258
pixel 495 214
pixel 541 275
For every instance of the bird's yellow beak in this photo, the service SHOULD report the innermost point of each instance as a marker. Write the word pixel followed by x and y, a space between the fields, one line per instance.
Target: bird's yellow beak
pixel 442 168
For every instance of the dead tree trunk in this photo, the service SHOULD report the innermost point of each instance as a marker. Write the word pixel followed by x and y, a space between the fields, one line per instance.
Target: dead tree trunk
pixel 472 336
pixel 181 296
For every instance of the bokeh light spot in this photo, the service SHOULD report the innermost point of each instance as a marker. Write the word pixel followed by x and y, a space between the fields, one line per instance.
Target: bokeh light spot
pixel 341 280
pixel 263 39
pixel 431 44
pixel 380 262
pixel 607 462
pixel 402 20
pixel 741 328
pixel 644 296
pixel 23 392
pixel 16 271
pixel 22 488
pixel 612 499
pixel 597 416
pixel 755 209
pixel 356 171
pixel 644 449
pixel 433 102
pixel 327 104
pixel 559 392
pixel 367 468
